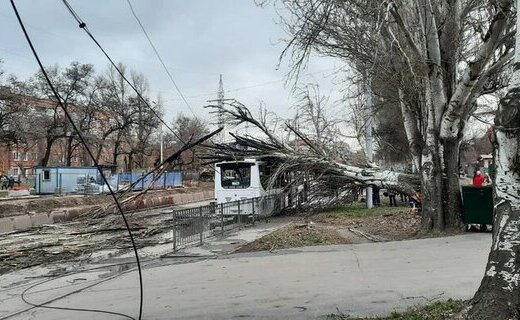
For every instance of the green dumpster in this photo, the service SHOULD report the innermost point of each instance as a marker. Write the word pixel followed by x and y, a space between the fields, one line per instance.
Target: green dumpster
pixel 478 204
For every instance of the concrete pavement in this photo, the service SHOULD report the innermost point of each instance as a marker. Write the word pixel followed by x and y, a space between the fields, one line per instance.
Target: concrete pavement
pixel 304 283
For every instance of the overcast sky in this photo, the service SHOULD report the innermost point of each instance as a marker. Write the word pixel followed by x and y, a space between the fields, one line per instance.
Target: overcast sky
pixel 198 40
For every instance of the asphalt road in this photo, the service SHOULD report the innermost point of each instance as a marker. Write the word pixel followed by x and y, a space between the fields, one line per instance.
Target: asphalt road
pixel 308 283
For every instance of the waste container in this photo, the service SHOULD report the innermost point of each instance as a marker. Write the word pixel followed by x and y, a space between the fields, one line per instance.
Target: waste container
pixel 478 204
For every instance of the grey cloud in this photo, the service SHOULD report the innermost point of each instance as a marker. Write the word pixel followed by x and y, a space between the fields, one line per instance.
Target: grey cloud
pixel 198 40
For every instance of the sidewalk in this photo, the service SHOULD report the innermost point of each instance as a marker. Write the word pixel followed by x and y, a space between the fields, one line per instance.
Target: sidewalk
pixel 302 283
pixel 234 239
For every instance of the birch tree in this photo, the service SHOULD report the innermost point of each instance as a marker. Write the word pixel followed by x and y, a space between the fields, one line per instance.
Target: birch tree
pixel 499 294
pixel 438 56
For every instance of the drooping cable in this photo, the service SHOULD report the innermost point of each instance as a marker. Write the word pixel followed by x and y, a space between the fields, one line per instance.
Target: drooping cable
pixel 91 155
pixel 45 306
pixel 83 26
pixel 160 58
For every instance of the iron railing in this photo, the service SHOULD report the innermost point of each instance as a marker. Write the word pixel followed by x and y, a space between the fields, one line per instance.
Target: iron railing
pixel 193 225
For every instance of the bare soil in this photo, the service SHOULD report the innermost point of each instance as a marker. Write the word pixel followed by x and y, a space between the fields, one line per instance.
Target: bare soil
pixel 77 240
pixel 385 223
pixel 344 225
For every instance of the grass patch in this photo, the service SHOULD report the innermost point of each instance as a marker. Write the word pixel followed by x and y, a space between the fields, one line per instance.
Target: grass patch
pixel 293 236
pixel 356 210
pixel 440 310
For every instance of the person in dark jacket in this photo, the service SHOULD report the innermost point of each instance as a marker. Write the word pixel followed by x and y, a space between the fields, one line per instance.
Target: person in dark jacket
pixel 391 197
pixel 376 200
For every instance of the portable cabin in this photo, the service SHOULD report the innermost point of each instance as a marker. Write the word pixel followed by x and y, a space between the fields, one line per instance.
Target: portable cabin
pixel 57 179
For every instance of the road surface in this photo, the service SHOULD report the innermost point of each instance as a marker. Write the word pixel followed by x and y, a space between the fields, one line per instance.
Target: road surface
pixel 305 283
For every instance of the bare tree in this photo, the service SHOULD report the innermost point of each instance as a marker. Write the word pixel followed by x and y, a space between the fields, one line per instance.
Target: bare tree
pixel 140 136
pixel 126 125
pixel 186 129
pixel 439 56
pixel 73 85
pixel 117 114
pixel 312 118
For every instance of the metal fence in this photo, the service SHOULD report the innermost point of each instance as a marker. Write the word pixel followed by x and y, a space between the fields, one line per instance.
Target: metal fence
pixel 73 180
pixel 139 181
pixel 194 225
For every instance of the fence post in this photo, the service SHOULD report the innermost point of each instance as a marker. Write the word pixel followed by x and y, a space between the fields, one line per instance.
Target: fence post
pixel 201 224
pixel 222 219
pixel 253 209
pixel 142 181
pixel 164 180
pixel 239 215
pixel 174 231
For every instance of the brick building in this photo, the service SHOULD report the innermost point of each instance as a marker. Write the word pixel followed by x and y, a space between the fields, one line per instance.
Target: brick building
pixel 17 158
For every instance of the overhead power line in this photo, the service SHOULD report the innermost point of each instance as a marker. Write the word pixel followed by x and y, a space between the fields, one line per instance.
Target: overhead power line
pixel 91 155
pixel 252 86
pixel 83 26
pixel 160 58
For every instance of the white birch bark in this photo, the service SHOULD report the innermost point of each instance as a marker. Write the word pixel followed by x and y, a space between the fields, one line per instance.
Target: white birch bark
pixel 499 294
pixel 464 92
pixel 412 132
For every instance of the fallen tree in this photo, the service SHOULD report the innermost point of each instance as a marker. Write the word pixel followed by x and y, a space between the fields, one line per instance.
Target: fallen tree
pixel 436 58
pixel 303 161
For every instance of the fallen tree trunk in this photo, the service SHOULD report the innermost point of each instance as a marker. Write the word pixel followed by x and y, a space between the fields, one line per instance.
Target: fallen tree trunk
pixel 301 161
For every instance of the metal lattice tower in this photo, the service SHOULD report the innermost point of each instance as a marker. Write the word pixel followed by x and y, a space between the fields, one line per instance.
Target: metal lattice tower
pixel 220 114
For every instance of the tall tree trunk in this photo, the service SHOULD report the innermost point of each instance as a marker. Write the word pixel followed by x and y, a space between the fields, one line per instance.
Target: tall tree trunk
pixel 431 167
pixel 453 200
pixel 431 185
pixel 130 165
pixel 99 149
pixel 115 153
pixel 48 146
pixel 69 152
pixel 499 294
pixel 415 141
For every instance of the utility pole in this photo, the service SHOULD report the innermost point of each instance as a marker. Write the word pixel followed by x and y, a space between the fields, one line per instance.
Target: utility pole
pixel 369 141
pixel 162 144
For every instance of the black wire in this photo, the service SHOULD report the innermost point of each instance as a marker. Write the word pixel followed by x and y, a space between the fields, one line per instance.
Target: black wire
pixel 170 159
pixel 160 58
pixel 71 273
pixel 83 26
pixel 67 274
pixel 43 305
pixel 82 140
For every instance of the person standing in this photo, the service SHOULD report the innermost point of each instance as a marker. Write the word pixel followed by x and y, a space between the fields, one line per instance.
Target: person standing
pixel 10 183
pixel 376 200
pixel 478 179
pixel 391 197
